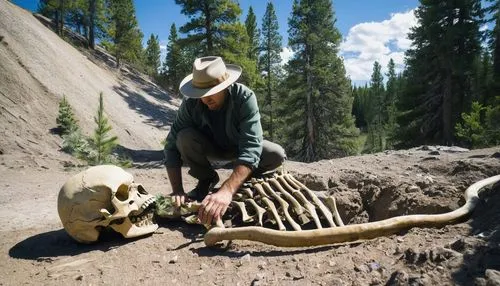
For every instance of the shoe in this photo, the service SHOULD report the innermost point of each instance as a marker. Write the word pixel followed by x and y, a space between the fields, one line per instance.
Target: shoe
pixel 202 188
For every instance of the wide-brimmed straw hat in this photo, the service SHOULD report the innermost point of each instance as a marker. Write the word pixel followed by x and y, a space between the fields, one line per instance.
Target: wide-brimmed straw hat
pixel 210 75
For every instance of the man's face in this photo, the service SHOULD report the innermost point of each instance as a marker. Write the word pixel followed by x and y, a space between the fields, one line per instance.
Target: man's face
pixel 216 101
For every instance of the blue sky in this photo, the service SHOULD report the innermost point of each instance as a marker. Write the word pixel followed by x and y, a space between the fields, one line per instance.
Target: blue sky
pixel 372 29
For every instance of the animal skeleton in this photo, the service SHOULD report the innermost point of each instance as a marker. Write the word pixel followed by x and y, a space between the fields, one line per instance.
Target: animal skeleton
pixel 285 203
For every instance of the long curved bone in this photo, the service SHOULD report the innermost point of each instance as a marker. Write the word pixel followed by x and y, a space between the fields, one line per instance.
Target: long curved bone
pixel 350 233
pixel 284 204
pixel 272 209
pixel 298 209
pixel 305 203
pixel 298 185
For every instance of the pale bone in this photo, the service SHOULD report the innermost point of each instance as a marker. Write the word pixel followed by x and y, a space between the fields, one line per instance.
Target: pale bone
pixel 258 210
pixel 272 209
pixel 284 204
pixel 299 210
pixel 311 209
pixel 246 192
pixel 332 205
pixel 104 196
pixel 244 214
pixel 350 233
pixel 166 208
pixel 326 213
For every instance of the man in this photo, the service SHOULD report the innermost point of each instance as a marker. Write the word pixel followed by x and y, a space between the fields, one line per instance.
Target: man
pixel 218 119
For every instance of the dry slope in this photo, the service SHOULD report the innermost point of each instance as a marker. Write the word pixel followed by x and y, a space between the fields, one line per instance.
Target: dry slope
pixel 37 68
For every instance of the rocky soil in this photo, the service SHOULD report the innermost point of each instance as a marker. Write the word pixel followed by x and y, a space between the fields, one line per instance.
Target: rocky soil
pixel 37 68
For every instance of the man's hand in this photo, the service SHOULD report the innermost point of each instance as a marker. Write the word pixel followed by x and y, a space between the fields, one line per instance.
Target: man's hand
pixel 179 198
pixel 215 205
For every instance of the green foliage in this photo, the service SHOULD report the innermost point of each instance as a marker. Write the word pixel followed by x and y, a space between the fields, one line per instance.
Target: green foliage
pixel 375 112
pixel 153 56
pixel 102 144
pixel 440 71
pixel 492 123
pixel 253 34
pixel 76 144
pixel 317 117
pixel 176 64
pixel 471 130
pixel 270 67
pixel 66 122
pixel 124 33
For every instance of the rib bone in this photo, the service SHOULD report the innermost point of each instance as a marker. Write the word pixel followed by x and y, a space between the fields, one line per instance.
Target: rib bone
pixel 332 205
pixel 296 184
pixel 298 209
pixel 244 214
pixel 284 205
pixel 272 209
pixel 350 233
pixel 305 203
pixel 258 210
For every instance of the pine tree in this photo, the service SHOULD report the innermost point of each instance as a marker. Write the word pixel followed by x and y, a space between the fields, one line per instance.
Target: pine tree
pixel 214 29
pixel 208 23
pixel 174 67
pixel 102 143
pixel 319 122
pixel 153 55
pixel 270 66
pixel 124 32
pixel 66 122
pixel 375 111
pixel 253 34
pixel 494 38
pixel 440 67
pixel 391 97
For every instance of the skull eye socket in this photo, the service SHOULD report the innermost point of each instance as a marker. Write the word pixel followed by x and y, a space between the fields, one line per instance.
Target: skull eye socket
pixel 141 190
pixel 122 193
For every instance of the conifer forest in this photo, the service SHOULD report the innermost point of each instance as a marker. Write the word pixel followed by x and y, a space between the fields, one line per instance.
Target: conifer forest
pixel 448 92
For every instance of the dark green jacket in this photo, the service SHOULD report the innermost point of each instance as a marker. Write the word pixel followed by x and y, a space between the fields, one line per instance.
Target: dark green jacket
pixel 243 128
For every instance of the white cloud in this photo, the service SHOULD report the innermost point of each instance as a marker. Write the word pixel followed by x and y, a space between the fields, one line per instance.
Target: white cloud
pixel 286 54
pixel 377 41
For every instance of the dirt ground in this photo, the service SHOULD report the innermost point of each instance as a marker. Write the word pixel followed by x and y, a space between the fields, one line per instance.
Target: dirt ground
pixel 35 249
pixel 37 68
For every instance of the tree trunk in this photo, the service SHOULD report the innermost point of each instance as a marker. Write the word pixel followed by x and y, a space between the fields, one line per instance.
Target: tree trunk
pixel 447 111
pixel 91 24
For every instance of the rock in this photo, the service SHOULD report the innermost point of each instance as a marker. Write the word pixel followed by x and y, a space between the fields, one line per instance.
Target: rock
pixel 412 189
pixel 244 259
pixel 173 260
pixel 492 277
pixel 435 152
pixel 398 277
pixel 495 155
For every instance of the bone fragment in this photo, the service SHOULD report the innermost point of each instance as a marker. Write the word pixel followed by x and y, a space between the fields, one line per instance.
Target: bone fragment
pixel 351 233
pixel 258 210
pixel 246 192
pixel 244 214
pixel 299 210
pixel 296 184
pixel 272 209
pixel 311 209
pixel 332 205
pixel 284 204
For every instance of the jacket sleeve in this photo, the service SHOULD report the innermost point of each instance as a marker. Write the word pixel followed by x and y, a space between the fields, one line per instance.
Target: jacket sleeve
pixel 250 140
pixel 183 120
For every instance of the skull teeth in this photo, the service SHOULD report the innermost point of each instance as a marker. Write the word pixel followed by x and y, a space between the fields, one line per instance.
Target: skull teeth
pixel 143 220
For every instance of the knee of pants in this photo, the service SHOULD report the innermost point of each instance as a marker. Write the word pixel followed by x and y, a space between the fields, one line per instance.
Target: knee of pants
pixel 273 155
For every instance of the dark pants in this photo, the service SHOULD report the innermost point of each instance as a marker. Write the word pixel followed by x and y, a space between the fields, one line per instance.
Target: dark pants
pixel 197 150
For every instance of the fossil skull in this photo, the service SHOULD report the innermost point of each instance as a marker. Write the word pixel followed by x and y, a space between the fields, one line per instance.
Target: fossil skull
pixel 105 196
